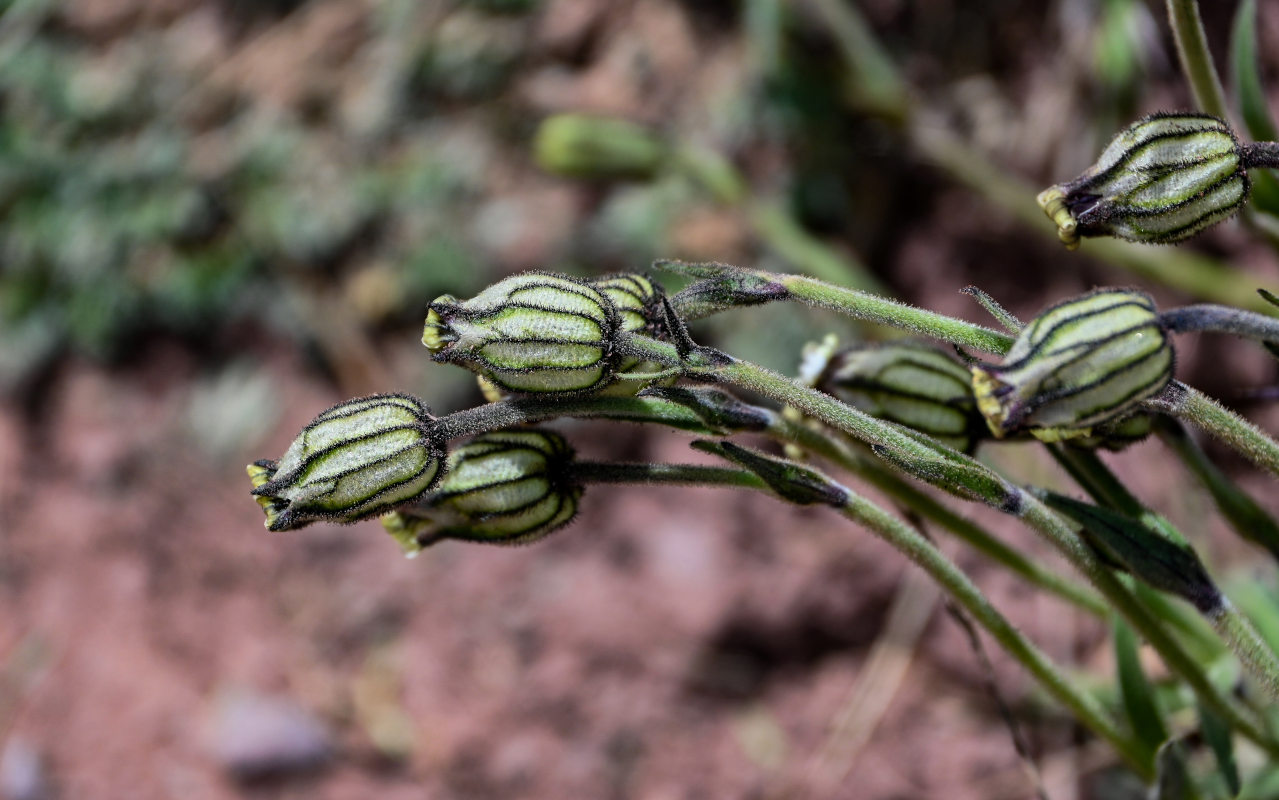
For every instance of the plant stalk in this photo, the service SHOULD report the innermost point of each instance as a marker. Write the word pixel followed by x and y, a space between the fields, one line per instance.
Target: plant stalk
pixel 1196 59
pixel 1212 418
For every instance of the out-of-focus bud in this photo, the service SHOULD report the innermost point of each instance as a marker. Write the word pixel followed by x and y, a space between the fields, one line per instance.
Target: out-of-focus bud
pixel 356 460
pixel 531 333
pixel 1163 179
pixel 910 383
pixel 503 487
pixel 1079 364
pixel 584 146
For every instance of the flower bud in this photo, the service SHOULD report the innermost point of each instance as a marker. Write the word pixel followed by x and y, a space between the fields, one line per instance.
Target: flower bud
pixel 503 487
pixel 912 384
pixel 1163 179
pixel 530 333
pixel 583 146
pixel 637 299
pixel 1079 364
pixel 355 460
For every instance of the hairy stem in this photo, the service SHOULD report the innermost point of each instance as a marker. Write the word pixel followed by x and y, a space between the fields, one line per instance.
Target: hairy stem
pixel 1213 318
pixel 664 474
pixel 928 507
pixel 1060 533
pixel 1233 628
pixel 1174 655
pixel 517 411
pixel 1212 418
pixel 967 595
pixel 1260 154
pixel 925 554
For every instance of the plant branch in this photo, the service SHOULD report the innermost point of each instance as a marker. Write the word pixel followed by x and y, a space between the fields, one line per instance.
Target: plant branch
pixel 1208 415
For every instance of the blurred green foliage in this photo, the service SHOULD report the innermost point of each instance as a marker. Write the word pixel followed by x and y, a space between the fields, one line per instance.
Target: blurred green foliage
pixel 140 196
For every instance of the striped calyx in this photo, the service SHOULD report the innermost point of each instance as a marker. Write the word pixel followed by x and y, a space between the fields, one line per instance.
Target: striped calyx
pixel 503 487
pixel 532 333
pixel 637 299
pixel 357 459
pixel 1163 179
pixel 910 383
pixel 639 303
pixel 1078 365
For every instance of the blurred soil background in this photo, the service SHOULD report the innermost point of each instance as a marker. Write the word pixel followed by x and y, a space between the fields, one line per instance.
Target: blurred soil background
pixel 219 217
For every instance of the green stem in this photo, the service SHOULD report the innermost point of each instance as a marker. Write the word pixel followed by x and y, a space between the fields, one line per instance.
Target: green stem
pixel 925 554
pixel 1196 60
pixel 1244 641
pixel 931 509
pixel 521 411
pixel 1230 625
pixel 1060 533
pixel 1174 655
pixel 860 305
pixel 524 410
pixel 1208 415
pixel 664 474
pixel 961 589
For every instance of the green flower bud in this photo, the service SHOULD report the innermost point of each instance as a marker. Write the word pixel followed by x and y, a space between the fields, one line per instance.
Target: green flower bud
pixel 639 302
pixel 356 460
pixel 530 333
pixel 1162 180
pixel 636 298
pixel 912 384
pixel 504 487
pixel 1079 364
pixel 583 146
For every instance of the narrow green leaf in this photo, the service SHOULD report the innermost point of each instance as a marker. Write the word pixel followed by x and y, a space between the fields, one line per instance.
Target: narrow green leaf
pixel 1246 80
pixel 1136 692
pixel 1167 565
pixel 794 483
pixel 1246 74
pixel 1218 736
